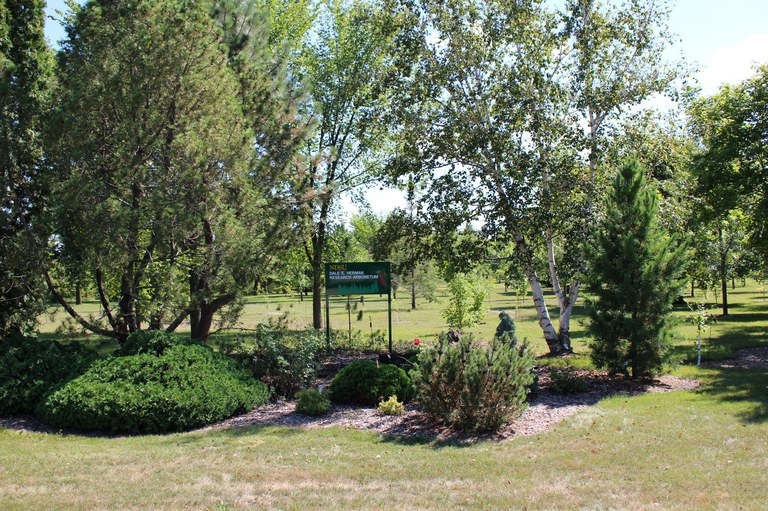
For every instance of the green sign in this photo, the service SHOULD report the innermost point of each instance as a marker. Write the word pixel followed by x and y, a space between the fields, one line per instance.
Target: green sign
pixel 357 278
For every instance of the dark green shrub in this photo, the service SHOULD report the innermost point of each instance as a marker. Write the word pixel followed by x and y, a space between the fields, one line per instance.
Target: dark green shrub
pixel 471 387
pixel 30 368
pixel 285 361
pixel 188 386
pixel 154 342
pixel 565 380
pixel 312 402
pixel 365 382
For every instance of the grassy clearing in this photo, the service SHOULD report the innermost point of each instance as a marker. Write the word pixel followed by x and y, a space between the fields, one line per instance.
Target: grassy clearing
pixel 746 326
pixel 681 450
pixel 706 449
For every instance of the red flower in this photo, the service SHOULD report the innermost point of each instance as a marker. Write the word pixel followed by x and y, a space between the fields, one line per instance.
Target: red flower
pixel 416 341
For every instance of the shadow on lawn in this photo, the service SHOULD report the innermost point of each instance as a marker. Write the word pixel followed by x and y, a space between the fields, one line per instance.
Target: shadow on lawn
pixel 746 386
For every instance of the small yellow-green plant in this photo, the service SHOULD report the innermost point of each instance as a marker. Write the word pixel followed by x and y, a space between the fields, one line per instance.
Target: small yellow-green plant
pixel 391 407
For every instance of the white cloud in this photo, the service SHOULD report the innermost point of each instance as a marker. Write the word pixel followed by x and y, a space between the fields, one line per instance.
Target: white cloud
pixel 733 64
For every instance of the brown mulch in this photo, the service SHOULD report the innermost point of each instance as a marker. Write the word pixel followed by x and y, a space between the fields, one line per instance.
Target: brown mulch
pixel 746 358
pixel 544 411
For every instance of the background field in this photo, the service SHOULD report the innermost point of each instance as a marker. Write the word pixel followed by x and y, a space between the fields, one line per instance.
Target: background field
pixel 745 326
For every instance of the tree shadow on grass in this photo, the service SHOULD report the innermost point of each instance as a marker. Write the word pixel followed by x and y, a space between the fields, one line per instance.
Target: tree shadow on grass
pixel 748 387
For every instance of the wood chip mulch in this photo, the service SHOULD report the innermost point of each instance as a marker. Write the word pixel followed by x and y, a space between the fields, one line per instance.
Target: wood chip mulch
pixel 545 409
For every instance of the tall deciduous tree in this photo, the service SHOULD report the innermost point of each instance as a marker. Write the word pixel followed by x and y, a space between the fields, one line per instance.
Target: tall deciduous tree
pixel 512 83
pixel 353 65
pixel 636 270
pixel 26 78
pixel 732 127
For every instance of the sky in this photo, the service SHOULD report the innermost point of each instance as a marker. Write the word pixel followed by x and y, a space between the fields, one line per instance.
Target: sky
pixel 724 38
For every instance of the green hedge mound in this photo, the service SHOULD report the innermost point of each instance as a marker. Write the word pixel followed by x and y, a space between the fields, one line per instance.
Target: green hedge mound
pixel 188 386
pixel 30 368
pixel 365 382
pixel 154 342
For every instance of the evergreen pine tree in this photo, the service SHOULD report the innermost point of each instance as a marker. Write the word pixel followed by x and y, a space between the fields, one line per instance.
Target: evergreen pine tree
pixel 637 272
pixel 26 71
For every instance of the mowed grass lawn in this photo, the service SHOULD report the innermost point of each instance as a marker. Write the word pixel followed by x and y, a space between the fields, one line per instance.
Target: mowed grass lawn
pixel 703 449
pixel 746 326
pixel 680 450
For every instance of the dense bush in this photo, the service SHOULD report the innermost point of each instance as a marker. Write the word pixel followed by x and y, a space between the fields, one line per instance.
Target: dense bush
pixel 391 407
pixel 30 368
pixel 565 380
pixel 186 387
pixel 154 342
pixel 365 382
pixel 474 388
pixel 312 402
pixel 286 361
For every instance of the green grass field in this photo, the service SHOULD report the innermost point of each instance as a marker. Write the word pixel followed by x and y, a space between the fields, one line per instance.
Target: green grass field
pixel 746 326
pixel 686 450
pixel 680 450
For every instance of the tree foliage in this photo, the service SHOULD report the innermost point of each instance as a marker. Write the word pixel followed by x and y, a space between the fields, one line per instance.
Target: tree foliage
pixel 26 81
pixel 172 159
pixel 354 65
pixel 509 86
pixel 636 271
pixel 732 127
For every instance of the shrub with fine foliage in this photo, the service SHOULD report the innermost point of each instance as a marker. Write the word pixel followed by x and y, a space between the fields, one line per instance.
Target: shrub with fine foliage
pixel 286 361
pixel 473 388
pixel 154 342
pixel 188 386
pixel 312 402
pixel 364 382
pixel 30 368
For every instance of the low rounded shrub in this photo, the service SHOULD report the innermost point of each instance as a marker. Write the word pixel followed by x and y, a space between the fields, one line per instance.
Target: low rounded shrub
pixel 188 386
pixel 365 382
pixel 154 342
pixel 312 402
pixel 566 380
pixel 30 368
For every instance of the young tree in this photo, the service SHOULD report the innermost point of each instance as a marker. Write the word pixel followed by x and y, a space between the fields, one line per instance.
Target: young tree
pixel 26 79
pixel 636 269
pixel 466 306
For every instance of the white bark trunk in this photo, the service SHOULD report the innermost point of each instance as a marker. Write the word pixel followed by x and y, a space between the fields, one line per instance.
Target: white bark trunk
pixel 542 314
pixel 554 277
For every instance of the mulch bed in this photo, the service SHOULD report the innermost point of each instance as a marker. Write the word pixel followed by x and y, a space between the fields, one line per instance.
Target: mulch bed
pixel 544 411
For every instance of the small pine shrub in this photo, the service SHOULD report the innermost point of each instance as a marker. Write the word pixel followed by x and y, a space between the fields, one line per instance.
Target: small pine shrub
pixel 312 402
pixel 30 368
pixel 471 387
pixel 188 386
pixel 287 362
pixel 154 342
pixel 565 380
pixel 364 382
pixel 391 407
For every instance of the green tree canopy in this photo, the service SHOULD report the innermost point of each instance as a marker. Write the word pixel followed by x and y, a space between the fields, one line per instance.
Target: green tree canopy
pixel 732 126
pixel 26 79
